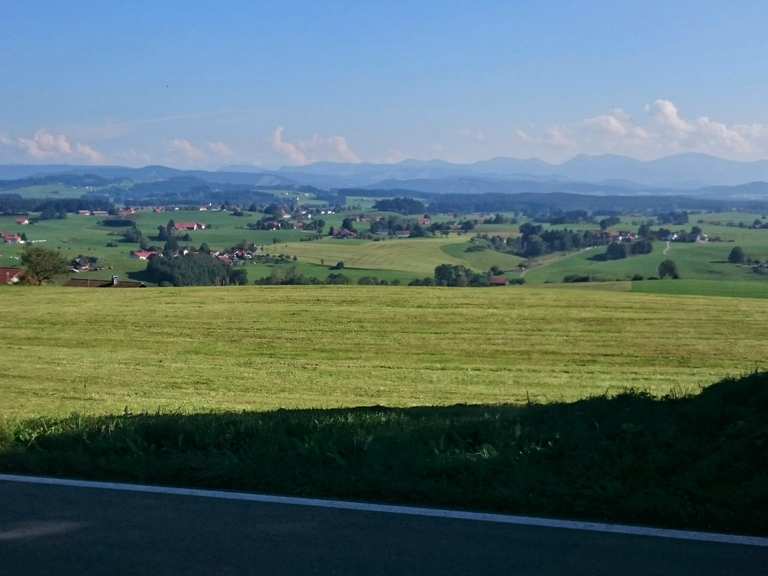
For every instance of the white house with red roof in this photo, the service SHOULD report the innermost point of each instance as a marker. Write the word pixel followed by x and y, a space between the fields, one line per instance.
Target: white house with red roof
pixel 11 238
pixel 144 254
pixel 10 275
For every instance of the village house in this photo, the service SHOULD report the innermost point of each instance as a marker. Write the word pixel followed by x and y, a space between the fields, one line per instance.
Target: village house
pixel 498 281
pixel 189 226
pixel 11 275
pixel 144 254
pixel 343 233
pixel 425 220
pixel 11 238
pixel 23 221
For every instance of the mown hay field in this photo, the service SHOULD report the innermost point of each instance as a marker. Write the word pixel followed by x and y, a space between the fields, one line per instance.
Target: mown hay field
pixel 107 351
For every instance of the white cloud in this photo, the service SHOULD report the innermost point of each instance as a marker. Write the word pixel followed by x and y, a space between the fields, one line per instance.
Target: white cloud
pixel 46 146
pixel 184 150
pixel 668 117
pixel 220 149
pixel 665 130
pixel 316 149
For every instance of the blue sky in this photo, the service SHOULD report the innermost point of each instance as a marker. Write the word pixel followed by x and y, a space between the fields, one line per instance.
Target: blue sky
pixel 189 84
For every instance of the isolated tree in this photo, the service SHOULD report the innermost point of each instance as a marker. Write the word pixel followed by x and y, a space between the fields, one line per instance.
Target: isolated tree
pixel 737 255
pixel 668 268
pixel 42 264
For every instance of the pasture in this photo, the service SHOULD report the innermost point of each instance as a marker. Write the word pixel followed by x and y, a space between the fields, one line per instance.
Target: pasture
pixel 417 255
pixel 258 348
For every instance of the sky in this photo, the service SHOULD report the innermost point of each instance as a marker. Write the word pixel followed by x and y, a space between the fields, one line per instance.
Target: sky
pixel 203 85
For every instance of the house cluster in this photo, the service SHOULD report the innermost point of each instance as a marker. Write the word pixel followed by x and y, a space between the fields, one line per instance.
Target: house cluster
pixel 83 264
pixel 92 212
pixel 343 233
pixel 620 236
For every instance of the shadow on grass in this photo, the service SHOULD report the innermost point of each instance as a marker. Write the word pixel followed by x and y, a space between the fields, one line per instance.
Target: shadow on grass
pixel 694 461
pixel 141 276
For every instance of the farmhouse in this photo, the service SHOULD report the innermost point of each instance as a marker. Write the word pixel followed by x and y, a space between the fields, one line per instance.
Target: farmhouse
pixel 498 281
pixel 425 220
pixel 11 238
pixel 23 221
pixel 344 233
pixel 144 254
pixel 10 275
pixel 189 226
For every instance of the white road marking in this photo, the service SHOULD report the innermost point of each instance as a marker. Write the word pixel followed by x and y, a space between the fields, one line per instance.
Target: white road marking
pixel 404 510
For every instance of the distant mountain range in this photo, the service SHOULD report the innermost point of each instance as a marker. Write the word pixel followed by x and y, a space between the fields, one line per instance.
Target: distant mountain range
pixel 679 171
pixel 688 174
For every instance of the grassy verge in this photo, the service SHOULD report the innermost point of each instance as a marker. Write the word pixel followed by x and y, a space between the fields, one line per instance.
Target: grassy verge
pixel 690 461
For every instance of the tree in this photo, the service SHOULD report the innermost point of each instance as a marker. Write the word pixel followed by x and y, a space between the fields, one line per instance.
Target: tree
pixel 42 264
pixel 644 231
pixel 606 223
pixel 238 276
pixel 668 268
pixel 643 246
pixel 534 246
pixel 737 255
pixel 417 231
pixel 171 246
pixel 401 205
pixel 348 224
pixel 616 251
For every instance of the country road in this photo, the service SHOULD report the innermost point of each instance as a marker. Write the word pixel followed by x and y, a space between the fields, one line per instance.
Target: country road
pixel 70 530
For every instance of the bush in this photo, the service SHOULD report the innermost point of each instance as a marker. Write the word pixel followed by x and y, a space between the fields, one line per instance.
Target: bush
pixel 339 278
pixel 573 278
pixel 668 268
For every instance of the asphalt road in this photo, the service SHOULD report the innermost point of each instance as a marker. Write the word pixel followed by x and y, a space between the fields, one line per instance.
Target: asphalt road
pixel 65 530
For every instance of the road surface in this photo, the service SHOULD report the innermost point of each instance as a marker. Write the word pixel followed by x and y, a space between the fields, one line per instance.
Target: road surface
pixel 66 530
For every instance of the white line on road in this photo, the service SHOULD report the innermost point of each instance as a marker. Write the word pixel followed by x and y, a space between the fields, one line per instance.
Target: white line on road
pixel 404 510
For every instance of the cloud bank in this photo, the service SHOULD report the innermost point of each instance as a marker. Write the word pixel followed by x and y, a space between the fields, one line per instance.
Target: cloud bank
pixel 663 130
pixel 44 146
pixel 316 149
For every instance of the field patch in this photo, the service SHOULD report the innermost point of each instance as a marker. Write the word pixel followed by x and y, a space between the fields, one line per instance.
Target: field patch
pixel 106 351
pixel 418 255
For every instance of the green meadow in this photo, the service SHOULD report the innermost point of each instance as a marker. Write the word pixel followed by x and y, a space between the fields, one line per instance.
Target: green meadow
pixel 260 348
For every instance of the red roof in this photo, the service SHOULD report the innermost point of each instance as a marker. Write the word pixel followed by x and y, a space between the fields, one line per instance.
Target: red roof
pixel 144 254
pixel 498 280
pixel 9 275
